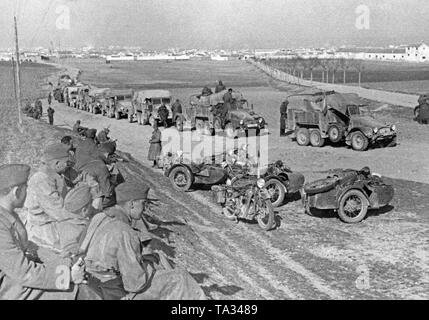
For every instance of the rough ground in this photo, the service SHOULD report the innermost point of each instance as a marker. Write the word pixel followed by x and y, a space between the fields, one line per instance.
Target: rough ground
pixel 305 257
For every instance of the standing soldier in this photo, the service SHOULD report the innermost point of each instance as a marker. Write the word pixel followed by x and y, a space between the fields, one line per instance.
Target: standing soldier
pixel 50 98
pixel 39 109
pixel 21 276
pixel 155 145
pixel 176 108
pixel 283 117
pixel 220 87
pixel 163 115
pixel 51 115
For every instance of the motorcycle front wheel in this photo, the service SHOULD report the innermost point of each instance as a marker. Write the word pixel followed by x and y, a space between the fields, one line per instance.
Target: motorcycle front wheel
pixel 229 210
pixel 265 214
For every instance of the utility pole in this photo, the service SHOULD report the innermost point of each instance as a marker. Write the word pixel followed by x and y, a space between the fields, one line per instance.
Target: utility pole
pixel 17 76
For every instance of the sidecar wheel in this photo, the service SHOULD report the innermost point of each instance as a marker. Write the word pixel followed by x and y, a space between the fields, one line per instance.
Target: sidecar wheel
pixel 229 213
pixel 277 192
pixel 181 178
pixel 353 207
pixel 265 215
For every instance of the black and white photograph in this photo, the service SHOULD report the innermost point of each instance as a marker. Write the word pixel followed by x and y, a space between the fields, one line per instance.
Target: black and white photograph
pixel 229 151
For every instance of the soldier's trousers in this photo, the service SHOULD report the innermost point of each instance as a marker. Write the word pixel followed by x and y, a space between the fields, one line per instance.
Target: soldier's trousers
pixel 283 119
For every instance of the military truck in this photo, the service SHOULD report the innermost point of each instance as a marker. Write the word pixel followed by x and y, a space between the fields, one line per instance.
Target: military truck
pixel 98 99
pixel 83 98
pixel 146 104
pixel 314 118
pixel 72 96
pixel 201 114
pixel 119 104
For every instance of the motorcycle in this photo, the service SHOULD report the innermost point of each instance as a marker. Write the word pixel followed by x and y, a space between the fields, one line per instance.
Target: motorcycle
pixel 246 198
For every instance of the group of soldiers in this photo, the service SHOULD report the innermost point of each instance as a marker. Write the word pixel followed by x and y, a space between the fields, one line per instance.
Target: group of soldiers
pixel 221 110
pixel 77 214
pixel 36 111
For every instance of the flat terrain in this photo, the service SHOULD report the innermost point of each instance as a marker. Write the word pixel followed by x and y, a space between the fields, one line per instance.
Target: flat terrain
pixel 304 257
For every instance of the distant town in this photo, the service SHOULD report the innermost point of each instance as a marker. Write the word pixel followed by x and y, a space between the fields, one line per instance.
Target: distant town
pixel 406 53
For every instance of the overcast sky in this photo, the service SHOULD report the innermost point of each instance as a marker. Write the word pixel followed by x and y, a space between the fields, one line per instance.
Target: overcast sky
pixel 158 24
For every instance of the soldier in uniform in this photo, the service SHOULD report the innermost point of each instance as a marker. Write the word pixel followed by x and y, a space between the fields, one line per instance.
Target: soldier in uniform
pixel 22 277
pixel 51 115
pixel 103 136
pixel 49 98
pixel 155 145
pixel 45 200
pixel 220 87
pixel 176 108
pixel 283 117
pixel 120 263
pixel 39 109
pixel 163 115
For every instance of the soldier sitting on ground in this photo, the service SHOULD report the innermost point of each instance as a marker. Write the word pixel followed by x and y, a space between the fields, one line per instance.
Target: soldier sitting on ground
pixel 23 276
pixel 120 263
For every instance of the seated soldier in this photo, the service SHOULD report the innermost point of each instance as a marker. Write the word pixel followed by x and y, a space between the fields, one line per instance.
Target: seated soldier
pixel 45 198
pixel 119 263
pixel 24 276
pixel 163 115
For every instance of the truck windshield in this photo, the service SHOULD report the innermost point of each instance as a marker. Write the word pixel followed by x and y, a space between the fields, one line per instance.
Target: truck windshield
pixel 156 101
pixel 166 100
pixel 353 111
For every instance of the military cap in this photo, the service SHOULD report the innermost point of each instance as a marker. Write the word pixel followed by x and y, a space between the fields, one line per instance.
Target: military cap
pixel 77 198
pixel 57 151
pixel 12 175
pixel 129 191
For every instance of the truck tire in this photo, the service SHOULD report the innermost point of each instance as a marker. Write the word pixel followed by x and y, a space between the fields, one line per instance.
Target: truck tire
pixel 117 116
pixel 130 117
pixel 353 206
pixel 179 124
pixel 302 137
pixel 277 191
pixel 359 141
pixel 316 139
pixel 230 131
pixel 217 124
pixel 335 134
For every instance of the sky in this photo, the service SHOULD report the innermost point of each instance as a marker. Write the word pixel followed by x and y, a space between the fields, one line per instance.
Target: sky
pixel 213 24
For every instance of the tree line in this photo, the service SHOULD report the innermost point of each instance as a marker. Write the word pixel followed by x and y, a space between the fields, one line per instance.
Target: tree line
pixel 327 68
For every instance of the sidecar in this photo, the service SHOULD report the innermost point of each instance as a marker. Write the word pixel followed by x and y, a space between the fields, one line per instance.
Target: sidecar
pixel 349 192
pixel 184 173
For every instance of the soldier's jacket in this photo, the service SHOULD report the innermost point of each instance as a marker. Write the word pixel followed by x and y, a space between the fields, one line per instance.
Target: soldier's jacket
pixel 44 203
pixel 115 251
pixel 99 172
pixel 20 277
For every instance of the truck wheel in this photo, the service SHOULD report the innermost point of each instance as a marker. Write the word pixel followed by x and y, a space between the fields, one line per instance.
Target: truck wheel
pixel 277 192
pixel 303 137
pixel 334 134
pixel 316 139
pixel 117 117
pixel 230 131
pixel 359 141
pixel 217 124
pixel 179 124
pixel 353 207
pixel 181 178
pixel 130 118
pixel 207 130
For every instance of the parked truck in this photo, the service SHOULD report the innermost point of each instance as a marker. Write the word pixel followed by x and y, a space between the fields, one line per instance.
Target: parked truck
pixel 146 104
pixel 201 114
pixel 315 118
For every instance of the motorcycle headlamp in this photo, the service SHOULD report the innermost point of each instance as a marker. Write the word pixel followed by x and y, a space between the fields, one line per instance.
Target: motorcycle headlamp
pixel 260 183
pixel 228 182
pixel 393 128
pixel 375 130
pixel 241 122
pixel 261 120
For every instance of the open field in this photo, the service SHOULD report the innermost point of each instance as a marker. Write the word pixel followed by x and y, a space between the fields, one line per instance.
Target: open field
pixel 305 257
pixel 411 86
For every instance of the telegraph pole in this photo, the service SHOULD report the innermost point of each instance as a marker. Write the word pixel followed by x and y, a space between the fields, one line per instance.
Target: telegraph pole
pixel 17 75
